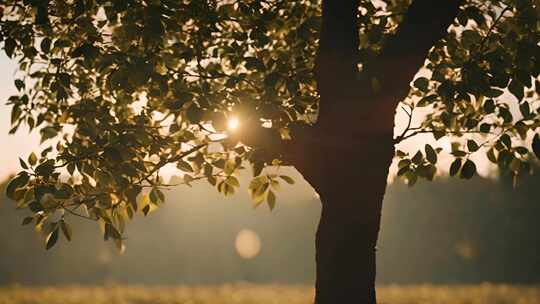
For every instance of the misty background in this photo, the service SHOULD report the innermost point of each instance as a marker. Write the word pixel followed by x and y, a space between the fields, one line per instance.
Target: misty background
pixel 449 231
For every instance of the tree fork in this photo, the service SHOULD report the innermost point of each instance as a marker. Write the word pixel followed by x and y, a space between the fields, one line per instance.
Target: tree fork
pixel 345 156
pixel 350 218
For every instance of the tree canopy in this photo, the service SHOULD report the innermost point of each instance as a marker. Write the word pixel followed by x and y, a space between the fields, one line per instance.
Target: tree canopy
pixel 121 89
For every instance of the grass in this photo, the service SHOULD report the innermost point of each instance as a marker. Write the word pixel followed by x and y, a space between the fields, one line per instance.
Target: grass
pixel 261 294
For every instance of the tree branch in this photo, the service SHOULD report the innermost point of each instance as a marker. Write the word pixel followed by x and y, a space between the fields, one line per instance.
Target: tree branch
pixel 425 22
pixel 408 127
pixel 78 214
pixel 492 27
pixel 173 159
pixel 430 131
pixel 353 101
pixel 336 63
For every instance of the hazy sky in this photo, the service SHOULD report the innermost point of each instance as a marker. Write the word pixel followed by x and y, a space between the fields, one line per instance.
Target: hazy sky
pixel 21 143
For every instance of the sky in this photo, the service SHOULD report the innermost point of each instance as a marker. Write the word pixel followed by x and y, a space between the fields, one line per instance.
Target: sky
pixel 21 143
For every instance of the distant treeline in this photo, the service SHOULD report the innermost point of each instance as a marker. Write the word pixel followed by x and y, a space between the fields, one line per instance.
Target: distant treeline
pixel 443 232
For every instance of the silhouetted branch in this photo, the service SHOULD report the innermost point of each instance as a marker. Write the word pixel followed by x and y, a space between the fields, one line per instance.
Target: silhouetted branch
pixel 425 23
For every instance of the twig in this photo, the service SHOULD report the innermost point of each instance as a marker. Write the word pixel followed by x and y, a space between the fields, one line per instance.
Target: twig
pixel 170 160
pixel 410 114
pixel 78 214
pixel 490 31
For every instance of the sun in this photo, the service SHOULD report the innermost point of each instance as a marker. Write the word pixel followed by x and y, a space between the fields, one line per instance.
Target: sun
pixel 233 124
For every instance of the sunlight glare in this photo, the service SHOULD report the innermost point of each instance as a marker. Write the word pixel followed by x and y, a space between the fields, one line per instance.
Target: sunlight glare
pixel 233 124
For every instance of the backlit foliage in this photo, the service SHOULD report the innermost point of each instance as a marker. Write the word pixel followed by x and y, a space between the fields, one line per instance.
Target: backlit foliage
pixel 120 89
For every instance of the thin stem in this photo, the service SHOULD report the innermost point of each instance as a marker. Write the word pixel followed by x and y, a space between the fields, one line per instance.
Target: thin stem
pixel 410 114
pixel 162 163
pixel 424 131
pixel 490 31
pixel 78 214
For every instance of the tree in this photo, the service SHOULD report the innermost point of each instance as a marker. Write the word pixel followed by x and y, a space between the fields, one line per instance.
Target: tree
pixel 120 89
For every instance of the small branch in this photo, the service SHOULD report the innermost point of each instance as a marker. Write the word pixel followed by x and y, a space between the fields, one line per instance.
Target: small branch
pixel 202 127
pixel 162 163
pixel 408 127
pixel 490 31
pixel 78 214
pixel 218 76
pixel 197 178
pixel 426 131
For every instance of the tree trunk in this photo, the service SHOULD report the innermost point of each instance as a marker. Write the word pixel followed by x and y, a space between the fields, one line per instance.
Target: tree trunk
pixel 346 155
pixel 352 190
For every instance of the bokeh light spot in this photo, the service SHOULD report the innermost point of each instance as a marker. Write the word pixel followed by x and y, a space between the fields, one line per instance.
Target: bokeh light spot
pixel 247 244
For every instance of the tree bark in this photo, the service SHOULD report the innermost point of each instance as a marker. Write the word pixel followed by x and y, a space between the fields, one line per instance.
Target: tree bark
pixel 351 196
pixel 346 155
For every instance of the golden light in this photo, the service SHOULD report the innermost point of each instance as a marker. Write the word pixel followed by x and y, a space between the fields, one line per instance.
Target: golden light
pixel 233 123
pixel 247 244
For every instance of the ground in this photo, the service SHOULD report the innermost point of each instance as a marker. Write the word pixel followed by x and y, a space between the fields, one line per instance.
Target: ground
pixel 262 294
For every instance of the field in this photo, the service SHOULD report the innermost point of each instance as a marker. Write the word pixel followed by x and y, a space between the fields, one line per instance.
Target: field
pixel 261 294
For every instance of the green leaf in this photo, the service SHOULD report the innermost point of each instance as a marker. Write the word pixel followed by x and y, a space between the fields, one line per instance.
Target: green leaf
pixel 506 140
pixel 160 195
pixel 48 133
pixel 32 159
pixel 472 145
pixel 111 231
pixel 459 153
pixel 421 83
pixel 492 93
pixel 64 79
pixel 400 153
pixel 19 84
pixel 51 239
pixel 517 89
pixel 287 179
pixel 417 158
pixel 66 229
pixel 485 128
pixel 258 166
pixel 9 46
pixel 258 190
pixel 525 109
pixel 536 145
pixel 45 45
pixel 23 164
pixel 468 170
pixel 427 171
pixel 27 220
pixel 45 169
pixel 17 182
pixel 16 113
pixel 427 100
pixel 232 181
pixel 271 200
pixel 431 155
pixel 154 199
pixel 412 178
pixel 491 156
pixel 146 209
pixel 403 170
pixel 489 106
pixel 522 150
pixel 455 166
pixel 404 163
